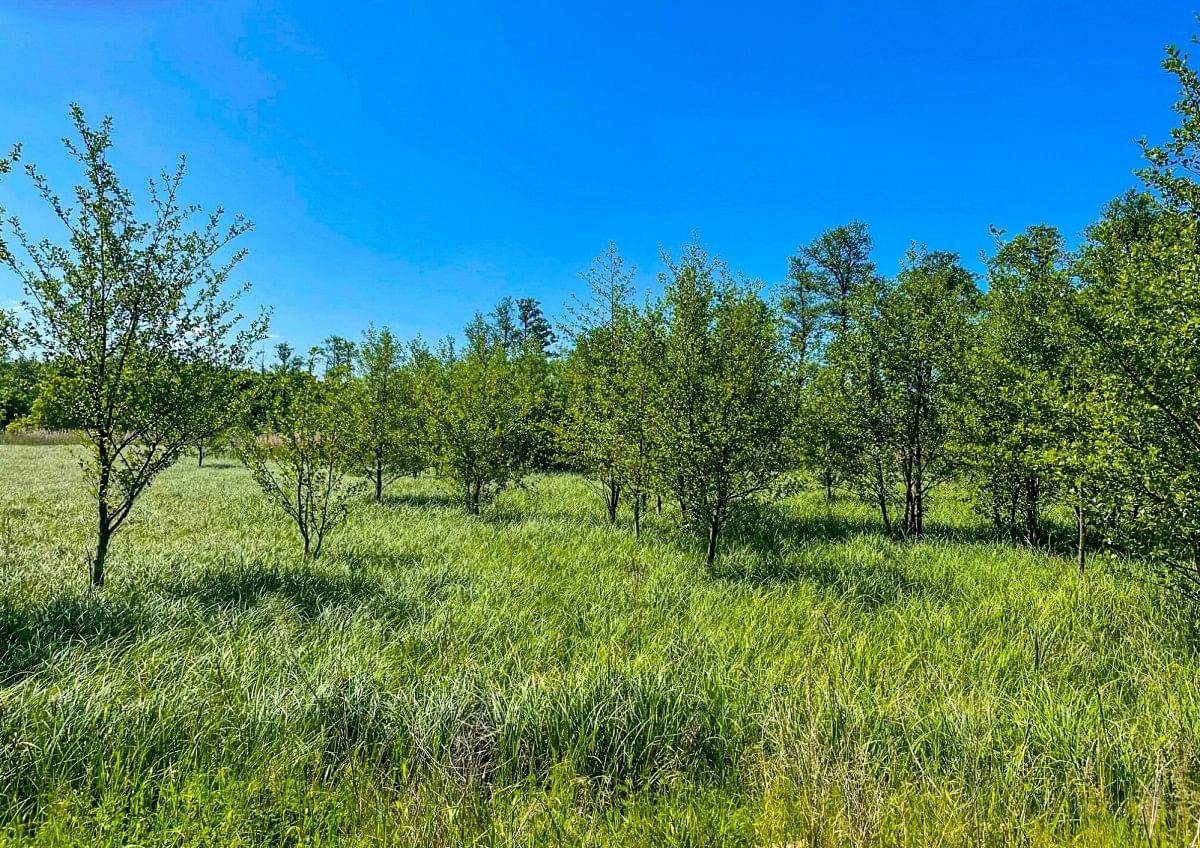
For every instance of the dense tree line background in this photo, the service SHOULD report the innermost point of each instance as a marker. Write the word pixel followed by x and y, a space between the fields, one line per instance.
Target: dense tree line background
pixel 1065 383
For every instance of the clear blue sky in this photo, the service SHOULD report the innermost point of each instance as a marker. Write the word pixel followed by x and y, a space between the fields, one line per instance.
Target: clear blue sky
pixel 410 164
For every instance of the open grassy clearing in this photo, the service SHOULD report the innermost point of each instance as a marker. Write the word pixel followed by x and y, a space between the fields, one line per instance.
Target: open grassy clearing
pixel 534 677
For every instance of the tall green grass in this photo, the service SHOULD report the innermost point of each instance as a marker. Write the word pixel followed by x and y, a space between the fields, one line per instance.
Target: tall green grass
pixel 537 678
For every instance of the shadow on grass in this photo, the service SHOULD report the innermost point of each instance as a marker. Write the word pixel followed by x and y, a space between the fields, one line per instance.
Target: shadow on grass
pixel 770 545
pixel 422 500
pixel 310 588
pixel 31 637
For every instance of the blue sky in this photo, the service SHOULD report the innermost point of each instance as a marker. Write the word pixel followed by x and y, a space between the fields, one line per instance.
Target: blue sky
pixel 410 164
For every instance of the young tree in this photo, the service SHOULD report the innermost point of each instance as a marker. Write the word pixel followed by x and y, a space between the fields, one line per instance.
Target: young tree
pixel 925 334
pixel 640 381
pixel 725 410
pixel 287 360
pixel 1136 314
pixel 131 315
pixel 899 374
pixel 849 402
pixel 504 325
pixel 338 354
pixel 386 423
pixel 481 409
pixel 1016 407
pixel 303 457
pixel 534 329
pixel 591 434
pixel 837 263
pixel 825 277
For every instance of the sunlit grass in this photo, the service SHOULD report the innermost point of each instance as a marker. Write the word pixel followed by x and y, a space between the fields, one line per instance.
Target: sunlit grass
pixel 535 677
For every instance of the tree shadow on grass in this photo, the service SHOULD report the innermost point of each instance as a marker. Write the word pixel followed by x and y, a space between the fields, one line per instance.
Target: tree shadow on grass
pixel 309 588
pixel 771 545
pixel 32 636
pixel 774 531
pixel 868 585
pixel 421 500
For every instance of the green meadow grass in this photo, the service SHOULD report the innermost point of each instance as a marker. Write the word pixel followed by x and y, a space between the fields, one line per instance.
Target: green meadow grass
pixel 534 677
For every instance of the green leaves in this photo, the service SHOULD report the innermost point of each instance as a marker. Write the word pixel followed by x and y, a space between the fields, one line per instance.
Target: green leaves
pixel 303 457
pixel 131 313
pixel 482 413
pixel 725 412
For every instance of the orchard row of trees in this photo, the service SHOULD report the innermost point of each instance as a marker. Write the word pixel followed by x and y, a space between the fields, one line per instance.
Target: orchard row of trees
pixel 1065 381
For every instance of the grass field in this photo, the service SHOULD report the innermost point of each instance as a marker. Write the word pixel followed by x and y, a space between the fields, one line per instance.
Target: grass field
pixel 537 678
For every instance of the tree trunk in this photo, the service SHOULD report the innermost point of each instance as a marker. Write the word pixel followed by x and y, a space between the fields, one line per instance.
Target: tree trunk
pixel 637 516
pixel 1033 519
pixel 881 494
pixel 378 474
pixel 103 524
pixel 658 503
pixel 1080 536
pixel 200 455
pixel 714 530
pixel 101 554
pixel 612 499
pixel 827 477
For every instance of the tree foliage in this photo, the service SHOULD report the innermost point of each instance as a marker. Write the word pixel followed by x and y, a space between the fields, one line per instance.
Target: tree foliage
pixel 725 409
pixel 133 321
pixel 481 409
pixel 303 456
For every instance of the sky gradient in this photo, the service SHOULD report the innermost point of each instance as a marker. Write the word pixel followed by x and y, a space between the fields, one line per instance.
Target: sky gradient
pixel 410 164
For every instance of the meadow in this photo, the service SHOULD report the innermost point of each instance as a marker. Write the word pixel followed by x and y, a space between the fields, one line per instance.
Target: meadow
pixel 535 677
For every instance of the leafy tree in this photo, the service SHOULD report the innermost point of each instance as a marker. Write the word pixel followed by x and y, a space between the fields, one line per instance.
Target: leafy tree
pixel 901 371
pixel 534 329
pixel 130 315
pixel 925 333
pixel 521 324
pixel 824 278
pixel 849 403
pixel 1017 409
pixel 504 325
pixel 387 428
pixel 591 433
pixel 1137 315
pixel 287 359
pixel 481 408
pixel 19 379
pixel 725 410
pixel 639 463
pixel 303 458
pixel 337 353
pixel 804 306
pixel 834 266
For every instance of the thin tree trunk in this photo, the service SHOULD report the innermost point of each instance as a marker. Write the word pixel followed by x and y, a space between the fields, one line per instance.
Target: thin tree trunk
pixel 714 530
pixel 102 539
pixel 200 455
pixel 637 516
pixel 1033 523
pixel 881 494
pixel 378 474
pixel 612 499
pixel 103 525
pixel 1080 535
